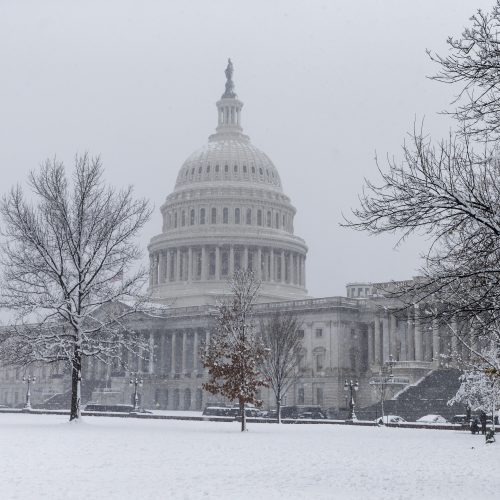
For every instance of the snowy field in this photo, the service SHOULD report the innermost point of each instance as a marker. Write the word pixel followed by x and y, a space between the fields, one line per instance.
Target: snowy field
pixel 45 457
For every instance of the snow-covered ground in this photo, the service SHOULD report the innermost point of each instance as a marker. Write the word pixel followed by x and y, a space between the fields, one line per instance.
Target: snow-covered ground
pixel 45 457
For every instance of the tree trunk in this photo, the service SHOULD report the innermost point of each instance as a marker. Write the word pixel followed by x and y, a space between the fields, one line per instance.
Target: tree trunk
pixel 278 407
pixel 243 417
pixel 76 385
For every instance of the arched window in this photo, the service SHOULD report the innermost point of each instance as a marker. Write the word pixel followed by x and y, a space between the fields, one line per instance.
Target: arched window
pixel 214 216
pixel 187 399
pixel 261 172
pixel 244 169
pixel 226 168
pixel 208 169
pixel 192 171
pixel 191 217
pixel 268 219
pixel 199 399
pixel 236 168
pixel 236 215
pixel 183 218
pixel 216 168
pixel 253 170
pixel 225 216
pixel 259 217
pixel 202 216
pixel 199 170
pixel 277 221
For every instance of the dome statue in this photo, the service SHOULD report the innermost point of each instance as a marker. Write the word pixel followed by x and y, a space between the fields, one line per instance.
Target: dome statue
pixel 227 211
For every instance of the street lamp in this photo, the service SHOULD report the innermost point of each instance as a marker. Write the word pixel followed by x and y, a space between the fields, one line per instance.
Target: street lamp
pixel 136 381
pixel 352 387
pixel 30 379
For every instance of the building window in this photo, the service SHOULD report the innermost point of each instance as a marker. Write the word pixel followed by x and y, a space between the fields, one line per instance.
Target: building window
pixel 253 170
pixel 284 220
pixel 259 217
pixel 320 361
pixel 319 396
pixel 187 399
pixel 191 217
pixel 208 169
pixel 183 218
pixel 261 172
pixel 300 396
pixel 268 219
pixel 319 332
pixel 300 334
pixel 214 216
pixel 237 260
pixel 244 169
pixel 199 399
pixel 211 267
pixel 176 401
pixel 225 263
pixel 202 216
pixel 249 216
pixel 236 215
pixel 236 168
pixel 226 168
pixel 225 215
pixel 199 170
pixel 217 168
pixel 277 221
pixel 175 219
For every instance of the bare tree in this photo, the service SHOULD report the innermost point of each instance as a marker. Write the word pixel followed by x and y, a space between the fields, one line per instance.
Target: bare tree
pixel 235 354
pixel 450 193
pixel 473 63
pixel 67 263
pixel 281 335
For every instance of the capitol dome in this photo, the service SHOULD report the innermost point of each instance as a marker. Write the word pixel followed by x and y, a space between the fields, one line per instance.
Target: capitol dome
pixel 227 211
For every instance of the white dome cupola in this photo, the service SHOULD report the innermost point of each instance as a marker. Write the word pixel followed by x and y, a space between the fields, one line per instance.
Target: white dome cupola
pixel 227 211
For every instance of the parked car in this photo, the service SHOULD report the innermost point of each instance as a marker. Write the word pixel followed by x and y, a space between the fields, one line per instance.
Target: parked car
pixel 432 419
pixel 459 419
pixel 117 408
pixel 390 419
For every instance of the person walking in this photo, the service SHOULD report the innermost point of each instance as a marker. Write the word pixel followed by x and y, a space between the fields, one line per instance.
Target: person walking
pixel 482 418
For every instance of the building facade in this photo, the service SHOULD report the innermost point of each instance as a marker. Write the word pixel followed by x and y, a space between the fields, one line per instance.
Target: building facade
pixel 228 211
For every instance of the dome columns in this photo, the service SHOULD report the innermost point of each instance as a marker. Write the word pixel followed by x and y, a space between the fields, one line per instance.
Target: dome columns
pixel 218 262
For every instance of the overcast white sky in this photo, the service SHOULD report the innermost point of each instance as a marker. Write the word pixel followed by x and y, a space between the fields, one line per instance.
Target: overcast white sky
pixel 326 84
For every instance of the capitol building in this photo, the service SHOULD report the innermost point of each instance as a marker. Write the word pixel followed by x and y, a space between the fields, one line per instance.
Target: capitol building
pixel 228 211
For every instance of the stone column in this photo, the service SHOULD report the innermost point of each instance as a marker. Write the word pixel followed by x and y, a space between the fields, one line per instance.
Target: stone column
pixel 204 264
pixel 151 365
pixel 178 264
pixel 151 266
pixel 190 273
pixel 258 264
pixel 195 351
pixel 271 264
pixel 282 266
pixel 385 337
pixel 403 351
pixel 172 352
pixel 454 339
pixel 418 335
pixel 370 344
pixel 304 271
pixel 161 267
pixel 155 269
pixel 436 340
pixel 183 354
pixel 377 343
pixel 245 258
pixel 217 263
pixel 393 334
pixel 231 260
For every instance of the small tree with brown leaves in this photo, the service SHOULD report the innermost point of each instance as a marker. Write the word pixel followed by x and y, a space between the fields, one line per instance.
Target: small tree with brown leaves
pixel 235 353
pixel 282 337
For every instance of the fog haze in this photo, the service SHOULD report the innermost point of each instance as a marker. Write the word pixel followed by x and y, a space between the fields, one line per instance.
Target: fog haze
pixel 326 85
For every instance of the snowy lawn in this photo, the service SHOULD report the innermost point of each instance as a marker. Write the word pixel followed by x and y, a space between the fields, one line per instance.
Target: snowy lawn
pixel 45 457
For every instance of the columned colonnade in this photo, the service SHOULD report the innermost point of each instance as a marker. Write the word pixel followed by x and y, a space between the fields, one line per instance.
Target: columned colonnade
pixel 215 262
pixel 409 338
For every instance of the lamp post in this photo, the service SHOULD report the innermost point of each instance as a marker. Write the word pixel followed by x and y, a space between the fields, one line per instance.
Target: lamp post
pixel 136 381
pixel 30 379
pixel 352 387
